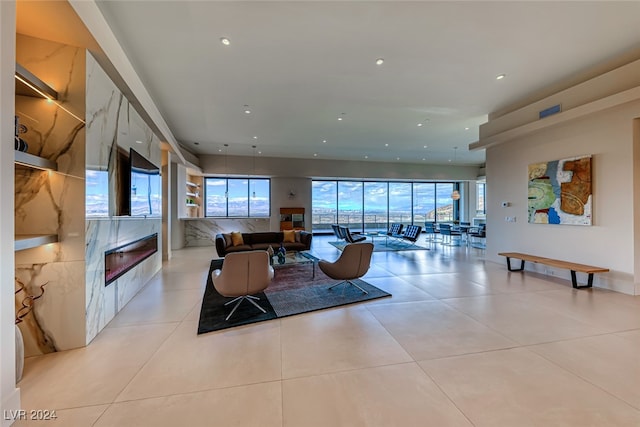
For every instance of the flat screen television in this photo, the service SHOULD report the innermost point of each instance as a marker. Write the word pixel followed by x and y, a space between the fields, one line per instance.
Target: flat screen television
pixel 146 187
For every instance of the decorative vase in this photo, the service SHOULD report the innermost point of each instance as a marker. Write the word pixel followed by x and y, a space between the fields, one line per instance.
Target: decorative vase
pixel 19 354
pixel 20 144
pixel 281 254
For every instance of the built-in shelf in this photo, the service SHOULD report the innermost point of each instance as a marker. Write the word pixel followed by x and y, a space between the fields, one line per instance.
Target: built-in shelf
pixel 31 161
pixel 28 241
pixel 191 184
pixel 28 84
pixel 192 194
pixel 192 205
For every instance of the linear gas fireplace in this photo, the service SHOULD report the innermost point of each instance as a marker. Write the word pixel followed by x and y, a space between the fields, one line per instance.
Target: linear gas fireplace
pixel 118 261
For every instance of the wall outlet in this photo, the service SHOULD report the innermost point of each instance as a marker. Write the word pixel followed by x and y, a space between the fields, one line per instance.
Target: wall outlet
pixel 510 218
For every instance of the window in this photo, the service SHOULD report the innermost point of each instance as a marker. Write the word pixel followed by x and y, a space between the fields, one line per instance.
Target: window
pixel 481 193
pixel 350 204
pixel 400 202
pixel 424 202
pixel 444 202
pixel 324 205
pixel 237 197
pixel 376 213
pixel 372 206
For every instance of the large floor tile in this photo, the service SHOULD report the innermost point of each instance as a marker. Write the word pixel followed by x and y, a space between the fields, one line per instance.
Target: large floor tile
pixel 608 361
pixel 400 289
pixel 631 335
pixel 94 374
pixel 432 329
pixel 153 305
pixel 525 321
pixel 258 405
pixel 399 395
pixel 447 285
pixel 519 388
pixel 595 307
pixel 336 340
pixel 78 417
pixel 187 362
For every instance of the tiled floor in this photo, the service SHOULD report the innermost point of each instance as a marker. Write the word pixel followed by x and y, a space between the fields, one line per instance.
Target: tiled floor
pixel 461 343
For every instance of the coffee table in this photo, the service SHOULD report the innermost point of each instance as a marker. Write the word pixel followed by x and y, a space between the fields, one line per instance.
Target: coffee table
pixel 295 258
pixel 374 234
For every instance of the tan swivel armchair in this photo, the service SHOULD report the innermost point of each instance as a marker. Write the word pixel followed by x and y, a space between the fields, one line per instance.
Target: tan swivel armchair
pixel 353 264
pixel 243 274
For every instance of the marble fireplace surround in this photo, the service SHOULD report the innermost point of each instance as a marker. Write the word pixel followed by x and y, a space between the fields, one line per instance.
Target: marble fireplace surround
pixel 119 260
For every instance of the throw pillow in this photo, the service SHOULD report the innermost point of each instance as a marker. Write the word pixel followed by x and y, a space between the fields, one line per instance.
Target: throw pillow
pixel 227 240
pixel 298 237
pixel 236 238
pixel 289 236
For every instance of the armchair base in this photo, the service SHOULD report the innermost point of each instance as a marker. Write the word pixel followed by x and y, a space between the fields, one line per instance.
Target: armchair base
pixel 249 298
pixel 347 283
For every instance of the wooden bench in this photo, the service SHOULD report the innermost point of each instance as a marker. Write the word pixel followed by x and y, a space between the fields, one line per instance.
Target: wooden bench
pixel 574 267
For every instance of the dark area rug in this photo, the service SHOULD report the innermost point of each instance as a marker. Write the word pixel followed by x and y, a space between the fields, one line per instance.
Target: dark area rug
pixel 293 290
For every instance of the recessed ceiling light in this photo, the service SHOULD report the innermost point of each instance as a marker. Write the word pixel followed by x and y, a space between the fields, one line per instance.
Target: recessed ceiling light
pixel 419 124
pixel 366 157
pixel 425 146
pixel 246 109
pixel 324 141
pixel 397 158
pixel 423 159
pixel 340 118
pixel 386 145
pixel 379 61
pixel 259 152
pixel 500 76
pixel 255 137
pixel 315 154
pixel 449 160
pixel 219 150
pixel 139 142
pixel 466 128
pixel 225 41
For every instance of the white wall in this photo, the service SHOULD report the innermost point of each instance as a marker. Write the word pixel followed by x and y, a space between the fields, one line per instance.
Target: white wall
pixel 608 136
pixel 280 198
pixel 9 394
pixel 313 168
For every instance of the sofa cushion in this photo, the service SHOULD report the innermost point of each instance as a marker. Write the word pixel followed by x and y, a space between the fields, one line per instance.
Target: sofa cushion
pixel 289 236
pixel 227 239
pixel 236 238
pixel 297 237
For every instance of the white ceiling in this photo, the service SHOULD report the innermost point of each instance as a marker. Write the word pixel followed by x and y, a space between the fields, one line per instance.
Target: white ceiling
pixel 300 65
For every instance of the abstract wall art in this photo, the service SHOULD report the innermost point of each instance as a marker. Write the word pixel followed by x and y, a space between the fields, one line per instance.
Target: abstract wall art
pixel 560 192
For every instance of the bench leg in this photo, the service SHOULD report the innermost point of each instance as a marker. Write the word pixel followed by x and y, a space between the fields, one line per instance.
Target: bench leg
pixel 574 281
pixel 515 269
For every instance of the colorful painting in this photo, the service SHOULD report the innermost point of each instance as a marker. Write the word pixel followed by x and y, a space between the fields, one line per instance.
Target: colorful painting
pixel 560 192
